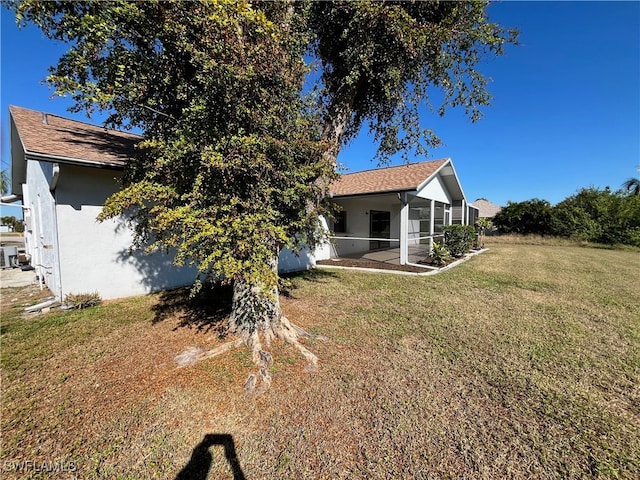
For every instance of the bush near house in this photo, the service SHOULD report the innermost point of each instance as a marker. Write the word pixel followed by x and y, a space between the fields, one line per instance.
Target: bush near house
pixel 440 254
pixel 459 239
pixel 82 300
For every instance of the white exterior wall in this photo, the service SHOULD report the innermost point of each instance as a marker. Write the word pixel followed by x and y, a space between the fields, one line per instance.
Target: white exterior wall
pixel 95 256
pixel 289 261
pixel 41 236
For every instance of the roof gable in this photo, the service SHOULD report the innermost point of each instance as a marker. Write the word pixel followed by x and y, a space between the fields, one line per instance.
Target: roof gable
pixel 390 179
pixel 63 139
pixel 486 208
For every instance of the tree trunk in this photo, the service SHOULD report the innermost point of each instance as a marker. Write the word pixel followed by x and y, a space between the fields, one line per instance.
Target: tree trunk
pixel 258 319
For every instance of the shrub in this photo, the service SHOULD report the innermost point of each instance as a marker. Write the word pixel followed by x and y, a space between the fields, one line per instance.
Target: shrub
pixel 459 238
pixel 82 300
pixel 482 225
pixel 591 215
pixel 440 254
pixel 530 216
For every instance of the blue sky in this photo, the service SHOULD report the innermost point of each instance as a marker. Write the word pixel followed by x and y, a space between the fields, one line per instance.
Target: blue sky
pixel 565 115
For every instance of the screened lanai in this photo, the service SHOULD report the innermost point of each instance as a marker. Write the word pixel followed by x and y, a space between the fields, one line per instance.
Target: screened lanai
pixel 394 215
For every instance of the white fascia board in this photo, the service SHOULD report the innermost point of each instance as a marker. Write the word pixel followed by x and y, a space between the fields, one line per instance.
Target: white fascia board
pixel 14 127
pixel 18 162
pixel 448 163
pixel 426 180
pixel 71 161
pixel 455 174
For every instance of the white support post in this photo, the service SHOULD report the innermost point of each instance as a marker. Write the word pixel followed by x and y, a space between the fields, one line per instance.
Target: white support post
pixel 404 230
pixel 463 212
pixel 432 217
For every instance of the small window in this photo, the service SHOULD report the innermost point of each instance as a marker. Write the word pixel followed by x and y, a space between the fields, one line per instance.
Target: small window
pixel 340 224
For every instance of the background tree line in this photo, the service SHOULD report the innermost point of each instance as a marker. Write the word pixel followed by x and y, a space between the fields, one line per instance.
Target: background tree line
pixel 17 225
pixel 592 215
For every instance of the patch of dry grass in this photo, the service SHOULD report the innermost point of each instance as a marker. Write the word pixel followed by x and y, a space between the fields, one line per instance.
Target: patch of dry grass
pixel 522 363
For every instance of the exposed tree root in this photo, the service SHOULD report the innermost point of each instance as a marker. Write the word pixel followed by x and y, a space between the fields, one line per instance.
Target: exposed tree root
pixel 194 354
pixel 257 319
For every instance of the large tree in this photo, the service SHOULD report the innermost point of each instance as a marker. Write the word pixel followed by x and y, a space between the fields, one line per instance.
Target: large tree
pixel 240 142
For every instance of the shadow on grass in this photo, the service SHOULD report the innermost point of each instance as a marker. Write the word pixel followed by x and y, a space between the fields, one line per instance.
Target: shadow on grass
pixel 290 281
pixel 201 458
pixel 209 309
pixel 206 311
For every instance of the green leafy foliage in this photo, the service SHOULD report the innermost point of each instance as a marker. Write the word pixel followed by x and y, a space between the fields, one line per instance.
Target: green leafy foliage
pixel 228 171
pixel 18 225
pixel 482 225
pixel 4 182
pixel 592 215
pixel 530 216
pixel 237 159
pixel 382 60
pixel 459 238
pixel 440 254
pixel 632 185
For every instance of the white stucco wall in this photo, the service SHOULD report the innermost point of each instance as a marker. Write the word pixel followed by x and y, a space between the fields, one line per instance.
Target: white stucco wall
pixel 74 253
pixel 95 256
pixel 41 237
pixel 290 261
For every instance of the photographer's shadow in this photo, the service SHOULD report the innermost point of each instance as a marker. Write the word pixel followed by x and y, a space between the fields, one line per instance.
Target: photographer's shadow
pixel 201 458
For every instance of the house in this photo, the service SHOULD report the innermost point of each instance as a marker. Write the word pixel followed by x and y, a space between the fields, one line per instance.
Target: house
pixel 399 209
pixel 64 170
pixel 486 209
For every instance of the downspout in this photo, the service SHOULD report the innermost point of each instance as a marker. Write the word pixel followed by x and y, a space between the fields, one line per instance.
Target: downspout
pixel 52 187
pixel 54 179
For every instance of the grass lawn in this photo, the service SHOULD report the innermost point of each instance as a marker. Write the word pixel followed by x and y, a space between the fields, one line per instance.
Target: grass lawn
pixel 523 362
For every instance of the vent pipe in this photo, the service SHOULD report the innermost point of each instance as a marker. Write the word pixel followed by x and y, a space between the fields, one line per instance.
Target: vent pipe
pixel 45 120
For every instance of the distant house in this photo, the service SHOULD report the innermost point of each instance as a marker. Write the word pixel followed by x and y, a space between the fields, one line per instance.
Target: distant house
pixel 64 170
pixel 486 209
pixel 403 207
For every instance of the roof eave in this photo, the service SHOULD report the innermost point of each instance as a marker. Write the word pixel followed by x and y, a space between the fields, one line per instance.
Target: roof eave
pixel 81 162
pixel 428 179
pixel 380 192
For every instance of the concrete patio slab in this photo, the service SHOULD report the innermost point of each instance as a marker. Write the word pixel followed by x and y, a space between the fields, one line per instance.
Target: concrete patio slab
pixel 15 277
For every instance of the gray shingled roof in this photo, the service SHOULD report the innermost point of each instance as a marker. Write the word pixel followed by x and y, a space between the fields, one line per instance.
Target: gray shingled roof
pixel 64 139
pixel 391 179
pixel 486 208
pixel 78 142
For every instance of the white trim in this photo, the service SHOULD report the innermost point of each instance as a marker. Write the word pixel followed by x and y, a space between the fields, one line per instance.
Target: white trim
pixel 404 230
pixel 71 161
pixel 335 237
